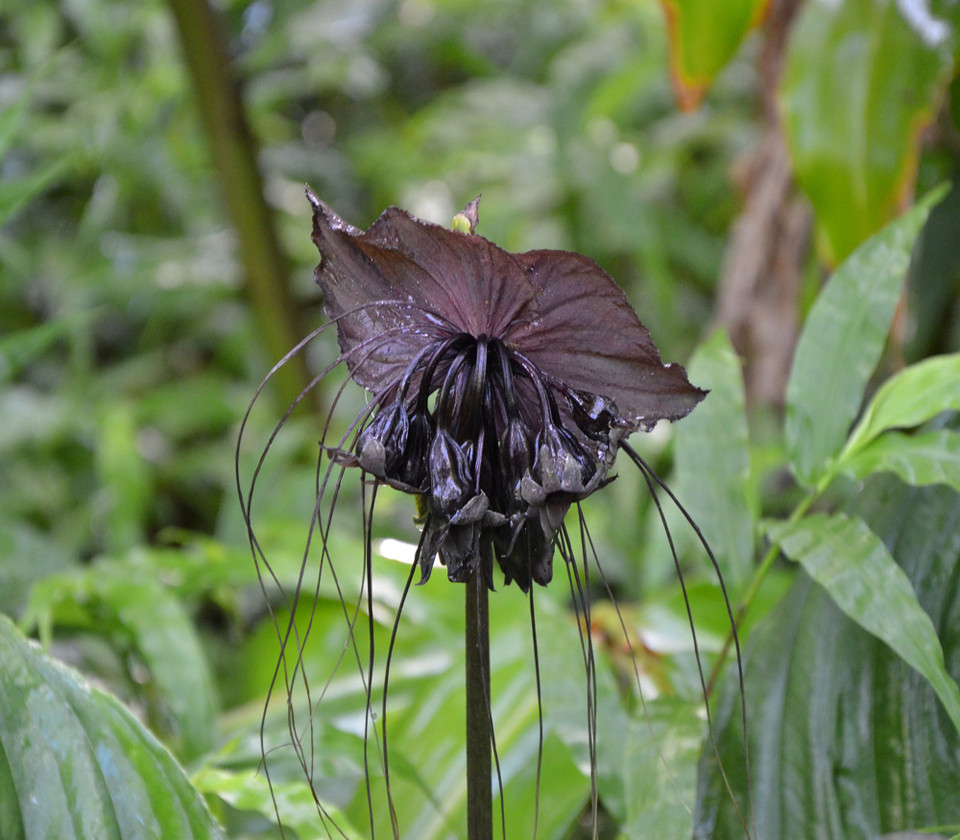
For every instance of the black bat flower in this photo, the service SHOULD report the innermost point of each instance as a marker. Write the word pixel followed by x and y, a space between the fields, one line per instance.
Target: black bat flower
pixel 501 389
pixel 502 383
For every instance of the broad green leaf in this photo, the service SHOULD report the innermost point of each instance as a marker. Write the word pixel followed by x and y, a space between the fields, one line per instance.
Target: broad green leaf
pixel 249 791
pixel 660 768
pixel 74 763
pixel 439 761
pixel 842 341
pixel 851 562
pixel 931 458
pixel 425 724
pixel 128 605
pixel 847 740
pixel 861 81
pixel 704 36
pixel 909 398
pixel 712 460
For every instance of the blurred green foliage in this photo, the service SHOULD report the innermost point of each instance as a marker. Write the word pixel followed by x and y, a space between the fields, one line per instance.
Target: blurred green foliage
pixel 129 352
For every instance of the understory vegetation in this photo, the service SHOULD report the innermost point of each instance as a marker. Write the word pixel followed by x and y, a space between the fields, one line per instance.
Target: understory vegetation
pixel 769 181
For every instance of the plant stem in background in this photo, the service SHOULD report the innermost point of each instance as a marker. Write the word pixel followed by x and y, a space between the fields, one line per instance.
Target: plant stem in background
pixel 766 564
pixel 233 151
pixel 477 646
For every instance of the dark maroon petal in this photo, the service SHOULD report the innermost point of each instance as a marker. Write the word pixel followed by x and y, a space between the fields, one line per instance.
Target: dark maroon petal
pixel 467 280
pixel 380 327
pixel 581 331
pixel 404 283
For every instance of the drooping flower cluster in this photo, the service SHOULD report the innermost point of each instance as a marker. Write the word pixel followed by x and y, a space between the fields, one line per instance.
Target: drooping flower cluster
pixel 502 384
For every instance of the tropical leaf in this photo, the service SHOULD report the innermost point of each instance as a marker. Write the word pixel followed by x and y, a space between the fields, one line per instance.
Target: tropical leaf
pixel 147 621
pixel 930 458
pixel 661 752
pixel 249 791
pixel 425 713
pixel 909 398
pixel 712 455
pixel 704 36
pixel 74 763
pixel 841 343
pixel 856 145
pixel 851 562
pixel 846 739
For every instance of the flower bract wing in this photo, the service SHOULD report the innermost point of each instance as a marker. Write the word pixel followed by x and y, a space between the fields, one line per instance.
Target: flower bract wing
pixel 404 283
pixel 400 285
pixel 581 331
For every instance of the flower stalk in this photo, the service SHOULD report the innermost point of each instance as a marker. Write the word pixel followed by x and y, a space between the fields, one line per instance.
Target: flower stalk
pixel 477 649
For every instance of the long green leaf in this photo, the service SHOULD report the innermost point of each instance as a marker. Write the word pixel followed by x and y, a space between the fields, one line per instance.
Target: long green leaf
pixel 846 739
pixel 15 195
pixel 913 396
pixel 249 791
pixel 74 763
pixel 125 478
pixel 851 562
pixel 660 768
pixel 931 458
pixel 841 343
pixel 113 600
pixel 862 79
pixel 712 458
pixel 425 713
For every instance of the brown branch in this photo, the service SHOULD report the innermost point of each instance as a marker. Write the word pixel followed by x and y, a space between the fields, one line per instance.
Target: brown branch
pixel 760 282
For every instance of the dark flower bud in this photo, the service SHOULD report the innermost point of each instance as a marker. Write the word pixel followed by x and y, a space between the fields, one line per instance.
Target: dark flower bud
pixel 461 552
pixel 525 553
pixel 381 445
pixel 413 470
pixel 531 492
pixel 515 460
pixel 562 465
pixel 552 514
pixel 458 540
pixel 451 478
pixel 473 511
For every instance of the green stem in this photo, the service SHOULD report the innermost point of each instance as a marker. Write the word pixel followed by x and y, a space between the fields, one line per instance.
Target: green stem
pixel 477 647
pixel 233 152
pixel 766 564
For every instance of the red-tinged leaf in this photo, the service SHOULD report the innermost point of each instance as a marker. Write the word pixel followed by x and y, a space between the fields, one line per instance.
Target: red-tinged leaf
pixel 862 80
pixel 704 35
